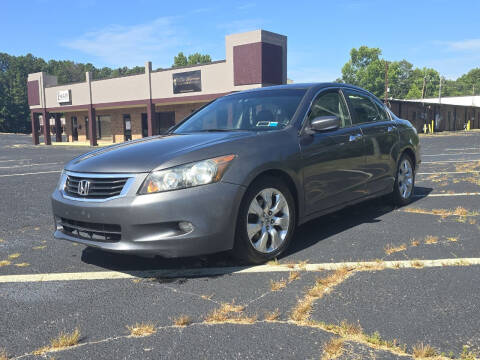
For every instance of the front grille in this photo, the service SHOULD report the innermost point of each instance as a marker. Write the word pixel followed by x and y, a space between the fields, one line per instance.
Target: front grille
pixel 98 187
pixel 90 231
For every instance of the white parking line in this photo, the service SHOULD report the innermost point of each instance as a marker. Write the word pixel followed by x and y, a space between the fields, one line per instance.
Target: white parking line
pixel 16 160
pixel 472 148
pixel 447 195
pixel 449 161
pixel 173 273
pixel 38 164
pixel 33 173
pixel 449 172
pixel 450 154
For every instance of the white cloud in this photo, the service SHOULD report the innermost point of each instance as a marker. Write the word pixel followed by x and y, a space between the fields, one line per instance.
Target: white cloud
pixel 465 45
pixel 118 45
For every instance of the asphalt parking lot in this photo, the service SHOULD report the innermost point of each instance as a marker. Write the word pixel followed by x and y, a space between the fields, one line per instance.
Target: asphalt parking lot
pixel 370 281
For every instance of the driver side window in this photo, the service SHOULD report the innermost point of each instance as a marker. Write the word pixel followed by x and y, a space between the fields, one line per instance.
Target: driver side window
pixel 328 104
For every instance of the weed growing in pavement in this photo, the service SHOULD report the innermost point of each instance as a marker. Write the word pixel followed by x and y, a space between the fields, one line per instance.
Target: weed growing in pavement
pixel 182 320
pixel 231 313
pixel 421 351
pixel 452 238
pixel 301 312
pixel 390 249
pixel 272 315
pixel 293 275
pixel 14 256
pixel 458 211
pixel 142 329
pixel 333 348
pixel 3 354
pixel 414 242
pixel 5 262
pixel 278 285
pixel 62 341
pixel 429 239
pixel 24 264
pixel 416 264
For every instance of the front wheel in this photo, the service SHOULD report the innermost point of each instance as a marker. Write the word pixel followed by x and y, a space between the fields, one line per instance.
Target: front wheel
pixel 266 221
pixel 404 181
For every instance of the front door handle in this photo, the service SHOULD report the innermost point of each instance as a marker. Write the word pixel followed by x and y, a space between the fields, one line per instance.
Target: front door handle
pixel 390 128
pixel 355 137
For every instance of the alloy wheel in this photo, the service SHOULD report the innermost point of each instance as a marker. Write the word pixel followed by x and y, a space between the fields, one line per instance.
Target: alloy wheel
pixel 405 179
pixel 268 220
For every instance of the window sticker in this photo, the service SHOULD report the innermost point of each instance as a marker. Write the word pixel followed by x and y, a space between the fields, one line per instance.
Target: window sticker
pixel 267 123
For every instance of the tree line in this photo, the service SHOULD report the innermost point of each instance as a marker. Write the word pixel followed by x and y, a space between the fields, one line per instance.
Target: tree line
pixel 365 68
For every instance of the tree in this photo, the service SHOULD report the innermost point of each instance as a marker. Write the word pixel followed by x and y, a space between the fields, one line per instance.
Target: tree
pixel 180 60
pixel 193 59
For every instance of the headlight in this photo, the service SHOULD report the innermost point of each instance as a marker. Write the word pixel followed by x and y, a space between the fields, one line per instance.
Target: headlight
pixel 185 176
pixel 62 181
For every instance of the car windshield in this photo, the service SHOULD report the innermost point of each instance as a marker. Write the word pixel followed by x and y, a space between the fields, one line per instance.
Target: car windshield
pixel 249 111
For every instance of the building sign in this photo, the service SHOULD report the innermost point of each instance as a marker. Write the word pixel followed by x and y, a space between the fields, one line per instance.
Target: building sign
pixel 63 96
pixel 190 81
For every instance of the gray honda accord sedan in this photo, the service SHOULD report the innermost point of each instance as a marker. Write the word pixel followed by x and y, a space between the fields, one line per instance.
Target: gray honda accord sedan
pixel 239 174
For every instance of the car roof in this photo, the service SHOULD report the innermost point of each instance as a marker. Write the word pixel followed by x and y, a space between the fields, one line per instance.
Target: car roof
pixel 305 86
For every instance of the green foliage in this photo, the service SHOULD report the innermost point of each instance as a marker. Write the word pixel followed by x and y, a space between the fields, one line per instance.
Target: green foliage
pixel 193 59
pixel 180 60
pixel 14 70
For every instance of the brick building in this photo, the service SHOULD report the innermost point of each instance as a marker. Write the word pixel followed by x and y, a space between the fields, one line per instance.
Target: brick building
pixel 136 106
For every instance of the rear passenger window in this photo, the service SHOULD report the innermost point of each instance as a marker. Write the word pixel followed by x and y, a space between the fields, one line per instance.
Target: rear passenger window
pixel 365 110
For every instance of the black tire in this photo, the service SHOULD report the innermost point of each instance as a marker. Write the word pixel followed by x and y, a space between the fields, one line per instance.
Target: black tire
pixel 398 198
pixel 243 249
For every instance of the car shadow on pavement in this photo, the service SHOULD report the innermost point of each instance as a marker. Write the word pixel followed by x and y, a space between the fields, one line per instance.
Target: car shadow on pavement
pixel 306 235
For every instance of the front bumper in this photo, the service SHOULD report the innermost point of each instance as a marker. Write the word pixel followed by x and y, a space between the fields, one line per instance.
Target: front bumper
pixel 149 223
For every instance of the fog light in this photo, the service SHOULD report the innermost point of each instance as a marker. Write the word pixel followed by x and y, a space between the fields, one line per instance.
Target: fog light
pixel 185 226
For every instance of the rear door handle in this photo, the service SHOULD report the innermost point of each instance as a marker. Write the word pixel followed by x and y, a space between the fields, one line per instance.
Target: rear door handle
pixel 355 137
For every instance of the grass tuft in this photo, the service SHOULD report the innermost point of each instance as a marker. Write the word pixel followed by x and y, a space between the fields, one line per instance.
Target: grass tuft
pixel 278 285
pixel 182 320
pixel 293 275
pixel 390 249
pixel 62 341
pixel 421 351
pixel 416 264
pixel 414 242
pixel 272 315
pixel 301 312
pixel 228 312
pixel 142 329
pixel 14 256
pixel 333 348
pixel 24 264
pixel 429 239
pixel 458 211
pixel 5 262
pixel 3 354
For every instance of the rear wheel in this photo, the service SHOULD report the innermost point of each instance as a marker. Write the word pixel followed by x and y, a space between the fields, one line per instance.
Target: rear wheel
pixel 266 221
pixel 404 181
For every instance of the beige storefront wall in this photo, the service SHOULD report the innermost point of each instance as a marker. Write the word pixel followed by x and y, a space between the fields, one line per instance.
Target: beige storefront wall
pixel 253 59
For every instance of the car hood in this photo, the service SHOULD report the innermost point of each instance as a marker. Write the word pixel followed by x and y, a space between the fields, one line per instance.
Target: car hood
pixel 145 155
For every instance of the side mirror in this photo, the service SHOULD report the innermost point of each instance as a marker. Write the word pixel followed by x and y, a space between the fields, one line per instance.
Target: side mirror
pixel 325 123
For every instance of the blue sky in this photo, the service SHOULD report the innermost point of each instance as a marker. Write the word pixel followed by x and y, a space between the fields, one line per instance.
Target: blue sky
pixel 442 34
